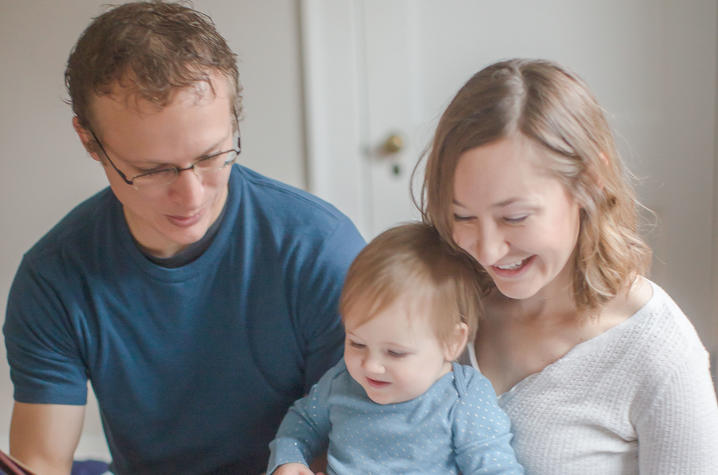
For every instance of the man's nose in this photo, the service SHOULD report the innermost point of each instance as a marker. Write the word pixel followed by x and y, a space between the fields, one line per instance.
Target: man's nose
pixel 188 187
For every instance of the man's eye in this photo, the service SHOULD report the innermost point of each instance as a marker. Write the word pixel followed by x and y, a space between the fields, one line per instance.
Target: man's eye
pixel 155 172
pixel 209 160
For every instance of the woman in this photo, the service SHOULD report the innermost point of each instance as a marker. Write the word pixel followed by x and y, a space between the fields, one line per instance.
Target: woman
pixel 598 369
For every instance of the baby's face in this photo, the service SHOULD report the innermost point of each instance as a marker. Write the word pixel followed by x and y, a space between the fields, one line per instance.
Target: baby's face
pixel 396 355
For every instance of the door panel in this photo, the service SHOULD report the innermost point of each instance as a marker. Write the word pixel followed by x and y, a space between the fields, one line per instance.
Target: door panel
pixel 651 64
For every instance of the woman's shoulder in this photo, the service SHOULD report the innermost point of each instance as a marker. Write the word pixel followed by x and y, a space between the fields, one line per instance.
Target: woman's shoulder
pixel 657 331
pixel 640 293
pixel 648 300
pixel 647 306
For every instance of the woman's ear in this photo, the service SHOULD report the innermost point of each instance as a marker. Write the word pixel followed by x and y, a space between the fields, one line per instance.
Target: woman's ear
pixel 455 346
pixel 595 174
pixel 85 137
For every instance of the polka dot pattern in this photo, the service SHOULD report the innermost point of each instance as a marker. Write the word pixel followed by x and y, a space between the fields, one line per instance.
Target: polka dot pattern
pixel 454 427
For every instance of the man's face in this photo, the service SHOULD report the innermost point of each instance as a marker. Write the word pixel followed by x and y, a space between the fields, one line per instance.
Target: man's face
pixel 138 137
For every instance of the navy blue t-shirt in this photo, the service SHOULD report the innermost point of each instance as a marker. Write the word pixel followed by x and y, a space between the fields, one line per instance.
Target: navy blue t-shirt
pixel 193 367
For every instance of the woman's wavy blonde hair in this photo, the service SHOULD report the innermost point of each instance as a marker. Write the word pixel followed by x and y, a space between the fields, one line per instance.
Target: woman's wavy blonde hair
pixel 555 109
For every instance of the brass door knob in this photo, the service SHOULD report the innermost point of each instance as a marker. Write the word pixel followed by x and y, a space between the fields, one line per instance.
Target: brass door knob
pixel 393 144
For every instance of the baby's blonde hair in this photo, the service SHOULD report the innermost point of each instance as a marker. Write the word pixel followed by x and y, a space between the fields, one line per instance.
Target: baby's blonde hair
pixel 411 260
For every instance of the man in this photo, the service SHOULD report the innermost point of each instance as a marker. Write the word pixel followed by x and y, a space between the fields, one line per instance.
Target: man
pixel 198 297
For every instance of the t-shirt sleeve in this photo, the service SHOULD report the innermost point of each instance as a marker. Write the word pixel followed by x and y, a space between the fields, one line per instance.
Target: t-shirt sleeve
pixel 481 430
pixel 304 431
pixel 45 364
pixel 321 284
pixel 677 427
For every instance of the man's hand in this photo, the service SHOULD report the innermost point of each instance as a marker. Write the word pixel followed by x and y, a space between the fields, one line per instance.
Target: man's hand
pixel 293 469
pixel 44 436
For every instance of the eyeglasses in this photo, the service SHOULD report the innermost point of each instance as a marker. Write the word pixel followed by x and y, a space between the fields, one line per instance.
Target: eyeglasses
pixel 165 176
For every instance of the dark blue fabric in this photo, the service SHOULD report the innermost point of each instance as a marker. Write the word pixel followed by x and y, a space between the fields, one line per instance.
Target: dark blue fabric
pixel 193 367
pixel 88 467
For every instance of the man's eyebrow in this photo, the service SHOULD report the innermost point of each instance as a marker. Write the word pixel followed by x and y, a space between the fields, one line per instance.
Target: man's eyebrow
pixel 214 148
pixel 208 151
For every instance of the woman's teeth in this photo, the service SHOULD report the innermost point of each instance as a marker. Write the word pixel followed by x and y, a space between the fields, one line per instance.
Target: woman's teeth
pixel 513 266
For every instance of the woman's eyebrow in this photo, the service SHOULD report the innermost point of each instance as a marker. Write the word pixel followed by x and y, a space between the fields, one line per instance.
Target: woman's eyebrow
pixel 507 202
pixel 500 204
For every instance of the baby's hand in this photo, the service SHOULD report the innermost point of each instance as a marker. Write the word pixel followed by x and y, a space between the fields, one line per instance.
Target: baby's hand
pixel 293 469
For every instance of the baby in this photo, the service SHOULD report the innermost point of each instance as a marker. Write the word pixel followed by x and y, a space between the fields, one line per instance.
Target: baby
pixel 398 402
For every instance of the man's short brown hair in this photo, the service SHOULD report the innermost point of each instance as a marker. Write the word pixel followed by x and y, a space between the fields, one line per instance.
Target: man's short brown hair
pixel 151 49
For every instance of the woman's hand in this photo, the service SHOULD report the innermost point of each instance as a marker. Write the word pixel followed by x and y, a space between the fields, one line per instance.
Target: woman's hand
pixel 293 469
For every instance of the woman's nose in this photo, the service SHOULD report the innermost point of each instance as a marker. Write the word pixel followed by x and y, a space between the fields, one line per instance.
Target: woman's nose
pixel 487 244
pixel 491 248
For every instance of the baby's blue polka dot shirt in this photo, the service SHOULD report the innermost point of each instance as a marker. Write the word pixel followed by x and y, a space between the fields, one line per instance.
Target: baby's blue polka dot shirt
pixel 456 426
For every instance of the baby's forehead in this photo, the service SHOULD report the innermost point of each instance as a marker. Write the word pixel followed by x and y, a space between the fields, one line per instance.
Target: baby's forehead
pixel 409 318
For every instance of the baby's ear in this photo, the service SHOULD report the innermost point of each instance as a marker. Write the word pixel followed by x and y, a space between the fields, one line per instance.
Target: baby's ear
pixel 457 342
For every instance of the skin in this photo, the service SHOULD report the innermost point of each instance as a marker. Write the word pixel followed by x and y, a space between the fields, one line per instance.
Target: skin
pixel 294 469
pixel 44 436
pixel 521 224
pixel 395 356
pixel 137 136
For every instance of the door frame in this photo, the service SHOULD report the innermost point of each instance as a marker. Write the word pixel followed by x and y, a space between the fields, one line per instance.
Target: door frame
pixel 334 110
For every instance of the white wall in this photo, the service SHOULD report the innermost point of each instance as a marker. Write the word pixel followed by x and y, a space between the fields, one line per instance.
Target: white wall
pixel 714 314
pixel 651 64
pixel 43 169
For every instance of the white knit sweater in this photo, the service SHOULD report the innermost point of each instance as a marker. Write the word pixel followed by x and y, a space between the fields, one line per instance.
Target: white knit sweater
pixel 635 399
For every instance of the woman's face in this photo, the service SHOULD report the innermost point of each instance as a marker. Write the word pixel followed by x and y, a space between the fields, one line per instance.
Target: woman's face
pixel 515 218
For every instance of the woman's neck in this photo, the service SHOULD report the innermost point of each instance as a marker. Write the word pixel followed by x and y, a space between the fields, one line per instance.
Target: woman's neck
pixel 553 304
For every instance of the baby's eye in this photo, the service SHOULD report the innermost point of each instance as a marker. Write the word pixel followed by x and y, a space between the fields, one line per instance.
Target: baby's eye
pixel 515 219
pixel 396 354
pixel 356 345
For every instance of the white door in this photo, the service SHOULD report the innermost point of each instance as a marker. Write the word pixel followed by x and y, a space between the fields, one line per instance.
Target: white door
pixel 382 68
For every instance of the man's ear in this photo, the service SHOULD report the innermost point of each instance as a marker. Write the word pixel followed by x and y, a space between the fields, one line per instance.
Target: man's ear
pixel 86 138
pixel 457 342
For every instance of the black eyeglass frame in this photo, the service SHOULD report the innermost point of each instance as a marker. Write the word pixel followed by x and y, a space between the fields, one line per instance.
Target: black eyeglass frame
pixel 177 170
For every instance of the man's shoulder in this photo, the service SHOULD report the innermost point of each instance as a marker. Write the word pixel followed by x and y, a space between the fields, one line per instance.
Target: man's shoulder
pixel 74 229
pixel 287 200
pixel 283 213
